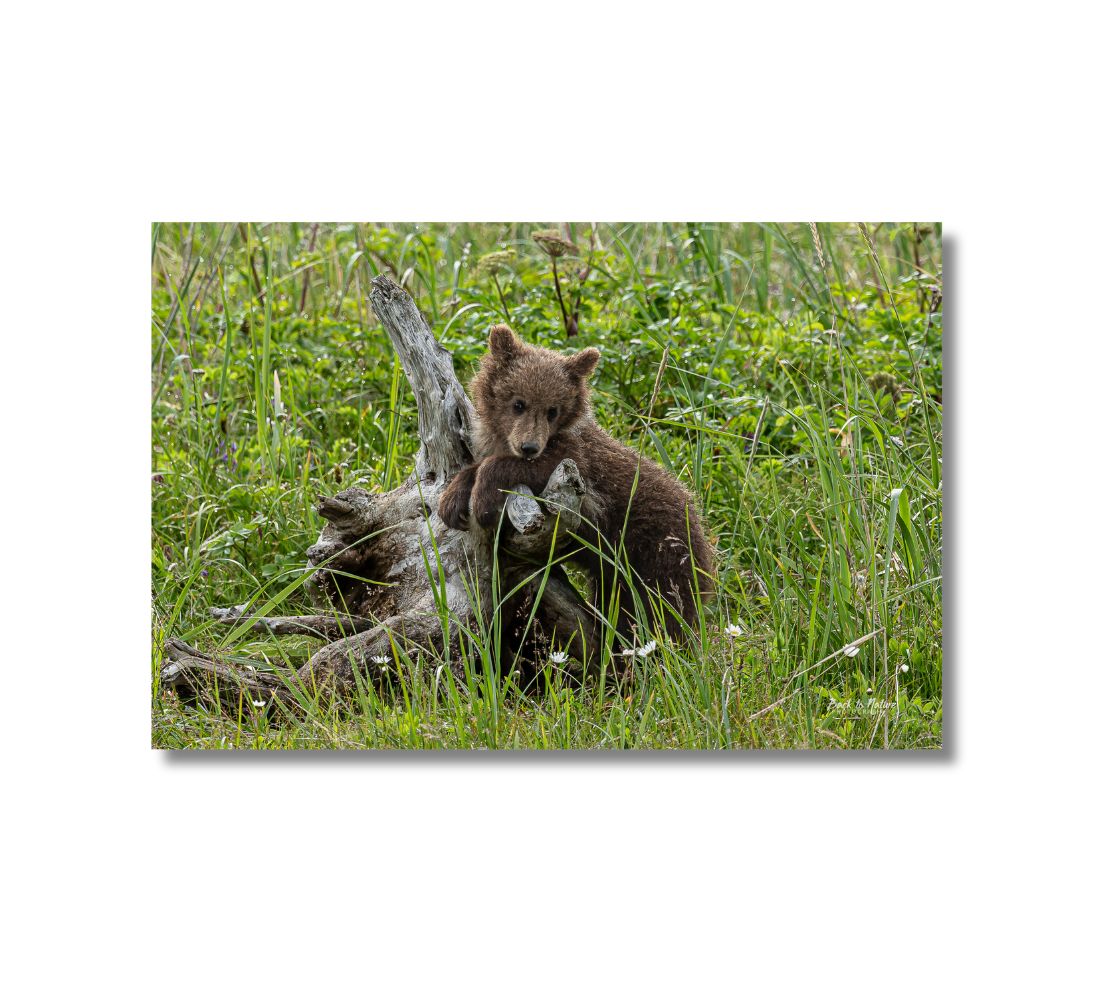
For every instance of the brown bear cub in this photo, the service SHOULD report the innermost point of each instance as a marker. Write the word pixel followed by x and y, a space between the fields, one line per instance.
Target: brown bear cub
pixel 533 411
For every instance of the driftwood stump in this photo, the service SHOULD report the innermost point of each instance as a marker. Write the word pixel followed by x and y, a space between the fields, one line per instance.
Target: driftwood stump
pixel 389 572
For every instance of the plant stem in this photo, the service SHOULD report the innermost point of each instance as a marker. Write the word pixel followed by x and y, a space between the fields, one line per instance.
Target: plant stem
pixel 559 294
pixel 307 273
pixel 505 308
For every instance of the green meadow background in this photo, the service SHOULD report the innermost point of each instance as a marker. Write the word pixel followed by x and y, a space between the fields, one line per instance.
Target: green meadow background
pixel 799 398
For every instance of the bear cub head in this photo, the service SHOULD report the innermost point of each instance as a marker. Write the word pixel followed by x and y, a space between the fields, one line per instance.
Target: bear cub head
pixel 526 395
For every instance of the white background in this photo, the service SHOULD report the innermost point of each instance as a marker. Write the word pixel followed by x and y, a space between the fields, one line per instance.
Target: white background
pixel 989 870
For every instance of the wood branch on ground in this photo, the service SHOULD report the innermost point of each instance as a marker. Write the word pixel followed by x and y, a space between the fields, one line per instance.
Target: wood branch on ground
pixel 373 563
pixel 198 676
pixel 332 626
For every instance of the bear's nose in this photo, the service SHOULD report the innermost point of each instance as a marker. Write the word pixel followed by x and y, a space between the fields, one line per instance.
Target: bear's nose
pixel 529 449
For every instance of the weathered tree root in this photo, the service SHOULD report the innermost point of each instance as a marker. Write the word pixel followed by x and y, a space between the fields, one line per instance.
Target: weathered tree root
pixel 318 626
pixel 197 676
pixel 382 558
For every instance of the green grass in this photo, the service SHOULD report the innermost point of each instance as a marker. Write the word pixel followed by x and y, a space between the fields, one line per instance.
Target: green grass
pixel 800 398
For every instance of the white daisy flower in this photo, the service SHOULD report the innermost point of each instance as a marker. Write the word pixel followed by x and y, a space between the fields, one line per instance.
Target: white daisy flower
pixel 629 652
pixel 734 631
pixel 381 661
pixel 259 704
pixel 649 647
pixel 558 657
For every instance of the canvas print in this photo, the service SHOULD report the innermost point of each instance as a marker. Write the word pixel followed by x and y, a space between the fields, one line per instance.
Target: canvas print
pixel 547 486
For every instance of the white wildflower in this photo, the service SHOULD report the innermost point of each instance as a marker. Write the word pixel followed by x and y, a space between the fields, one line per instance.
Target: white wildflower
pixel 558 657
pixel 629 652
pixel 904 669
pixel 734 631
pixel 649 647
pixel 259 704
pixel 381 661
pixel 852 650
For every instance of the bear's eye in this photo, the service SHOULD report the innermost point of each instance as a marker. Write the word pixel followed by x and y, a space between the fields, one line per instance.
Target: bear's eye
pixel 552 413
pixel 518 406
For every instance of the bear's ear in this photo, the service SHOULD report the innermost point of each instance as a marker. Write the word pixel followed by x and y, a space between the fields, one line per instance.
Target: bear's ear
pixel 503 343
pixel 583 364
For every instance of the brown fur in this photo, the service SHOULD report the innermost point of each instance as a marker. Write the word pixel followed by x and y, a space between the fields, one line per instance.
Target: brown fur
pixel 529 396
